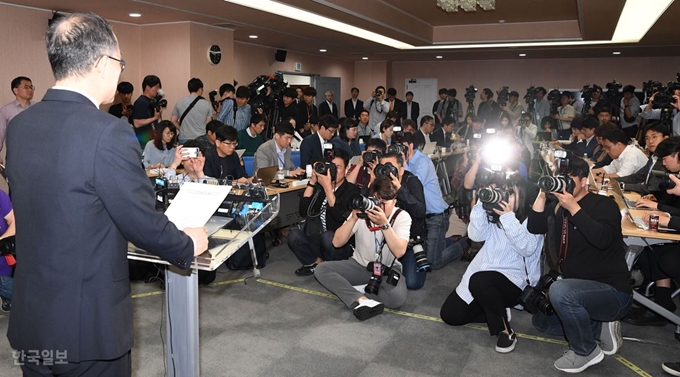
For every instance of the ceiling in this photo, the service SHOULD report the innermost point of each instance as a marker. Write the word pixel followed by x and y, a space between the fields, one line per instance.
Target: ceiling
pixel 419 23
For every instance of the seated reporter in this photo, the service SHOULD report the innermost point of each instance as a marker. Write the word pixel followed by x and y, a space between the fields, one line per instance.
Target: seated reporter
pixel 159 152
pixel 505 265
pixel 347 139
pixel 643 181
pixel 600 156
pixel 7 229
pixel 386 131
pixel 361 173
pixel 325 204
pixel 626 157
pixel 193 166
pixel 595 291
pixel 277 151
pixel 222 162
pixel 381 239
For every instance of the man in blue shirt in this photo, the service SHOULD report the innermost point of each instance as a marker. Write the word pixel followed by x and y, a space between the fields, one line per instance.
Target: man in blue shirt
pixel 436 209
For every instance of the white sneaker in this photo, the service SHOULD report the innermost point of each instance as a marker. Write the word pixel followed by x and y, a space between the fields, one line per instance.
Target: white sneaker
pixel 368 309
pixel 508 314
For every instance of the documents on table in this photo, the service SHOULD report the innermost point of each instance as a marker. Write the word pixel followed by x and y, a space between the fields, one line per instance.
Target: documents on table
pixel 195 203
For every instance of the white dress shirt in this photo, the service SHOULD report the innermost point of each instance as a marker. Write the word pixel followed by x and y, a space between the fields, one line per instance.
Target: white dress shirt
pixel 631 160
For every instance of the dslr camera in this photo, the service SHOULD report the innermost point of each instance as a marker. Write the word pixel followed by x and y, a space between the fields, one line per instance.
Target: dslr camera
pixel 666 182
pixel 385 170
pixel 491 197
pixel 323 167
pixel 422 263
pixel 561 180
pixel 398 134
pixel 397 148
pixel 372 156
pixel 158 101
pixel 535 299
pixel 379 270
pixel 363 204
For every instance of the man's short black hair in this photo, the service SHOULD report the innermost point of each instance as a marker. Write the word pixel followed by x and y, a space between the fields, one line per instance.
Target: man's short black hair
pixel 407 122
pixel 425 119
pixel 75 43
pixel 616 136
pixel 328 121
pixel 17 82
pixel 378 144
pixel 541 89
pixel 125 87
pixel 398 156
pixel 391 92
pixel 604 128
pixel 225 88
pixel 448 120
pixel 589 122
pixel 284 128
pixel 341 154
pixel 309 91
pixel 452 92
pixel 514 94
pixel 488 92
pixel 226 133
pixel 604 109
pixel 195 85
pixel 668 147
pixel 353 89
pixel 257 118
pixel 567 93
pixel 213 125
pixel 392 115
pixel 364 111
pixel 409 93
pixel 576 124
pixel 660 128
pixel 597 88
pixel 578 167
pixel 628 89
pixel 290 93
pixel 151 81
pixel 243 92
pixel 443 91
pixel 409 139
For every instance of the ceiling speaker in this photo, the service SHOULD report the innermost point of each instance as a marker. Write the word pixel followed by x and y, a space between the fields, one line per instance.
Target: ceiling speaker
pixel 280 55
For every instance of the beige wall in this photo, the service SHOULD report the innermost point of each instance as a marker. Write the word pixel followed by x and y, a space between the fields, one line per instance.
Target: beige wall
pixel 202 37
pixel 369 75
pixel 251 61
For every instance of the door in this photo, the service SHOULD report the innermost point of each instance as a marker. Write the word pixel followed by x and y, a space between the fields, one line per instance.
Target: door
pixel 324 84
pixel 425 92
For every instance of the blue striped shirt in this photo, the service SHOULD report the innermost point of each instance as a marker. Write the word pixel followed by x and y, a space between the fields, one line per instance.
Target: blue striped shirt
pixel 507 250
pixel 242 117
pixel 226 114
pixel 423 168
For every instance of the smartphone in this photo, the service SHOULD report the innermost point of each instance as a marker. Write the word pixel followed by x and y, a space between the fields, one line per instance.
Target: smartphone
pixel 191 152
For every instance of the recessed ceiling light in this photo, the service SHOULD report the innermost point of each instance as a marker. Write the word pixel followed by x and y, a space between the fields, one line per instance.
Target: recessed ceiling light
pixel 501 21
pixel 322 50
pixel 135 15
pixel 616 53
pixel 439 56
pixel 522 55
pixel 252 36
pixel 365 58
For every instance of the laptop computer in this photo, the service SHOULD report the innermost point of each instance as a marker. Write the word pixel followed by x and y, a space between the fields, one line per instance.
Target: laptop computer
pixel 429 148
pixel 544 136
pixel 267 174
pixel 617 190
pixel 240 152
pixel 636 220
pixel 592 182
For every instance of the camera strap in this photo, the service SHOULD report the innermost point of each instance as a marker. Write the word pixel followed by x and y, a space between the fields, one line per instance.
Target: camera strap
pixel 526 270
pixel 191 106
pixel 564 239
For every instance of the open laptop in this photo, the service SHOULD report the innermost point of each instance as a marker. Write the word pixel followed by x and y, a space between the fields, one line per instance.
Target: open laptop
pixel 617 190
pixel 592 182
pixel 544 136
pixel 240 152
pixel 429 148
pixel 267 174
pixel 637 220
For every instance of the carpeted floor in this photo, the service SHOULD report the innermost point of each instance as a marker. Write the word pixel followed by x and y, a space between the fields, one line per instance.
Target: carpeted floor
pixel 285 325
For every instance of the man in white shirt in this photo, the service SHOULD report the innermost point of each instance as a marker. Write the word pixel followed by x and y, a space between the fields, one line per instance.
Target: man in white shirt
pixel 23 89
pixel 377 108
pixel 565 114
pixel 627 158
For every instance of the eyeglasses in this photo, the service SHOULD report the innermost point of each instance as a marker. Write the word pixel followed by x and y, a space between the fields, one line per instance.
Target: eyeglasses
pixel 121 61
pixel 28 87
pixel 229 143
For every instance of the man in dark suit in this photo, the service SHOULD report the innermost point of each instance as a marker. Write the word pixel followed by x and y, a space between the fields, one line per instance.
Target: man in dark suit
pixel 311 148
pixel 410 109
pixel 354 105
pixel 395 103
pixel 79 196
pixel 328 106
pixel 422 136
pixel 442 135
pixel 441 108
pixel 308 113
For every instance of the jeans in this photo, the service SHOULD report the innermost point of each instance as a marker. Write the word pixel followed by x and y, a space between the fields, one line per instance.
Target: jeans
pixel 437 252
pixel 6 284
pixel 331 252
pixel 580 308
pixel 414 279
pixel 306 248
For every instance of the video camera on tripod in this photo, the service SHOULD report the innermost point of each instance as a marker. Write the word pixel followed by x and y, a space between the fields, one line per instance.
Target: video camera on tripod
pixel 530 98
pixel 266 91
pixel 503 96
pixel 470 95
pixel 555 98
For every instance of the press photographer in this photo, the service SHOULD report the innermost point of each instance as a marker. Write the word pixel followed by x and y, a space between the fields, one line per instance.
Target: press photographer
pixel 666 107
pixel 147 109
pixel 508 262
pixel 512 107
pixel 377 108
pixel 380 239
pixel 594 292
pixel 362 174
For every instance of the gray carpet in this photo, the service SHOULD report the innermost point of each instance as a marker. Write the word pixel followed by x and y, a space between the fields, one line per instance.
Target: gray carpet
pixel 260 329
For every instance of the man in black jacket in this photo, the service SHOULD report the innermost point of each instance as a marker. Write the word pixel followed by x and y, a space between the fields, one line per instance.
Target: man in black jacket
pixel 594 292
pixel 442 136
pixel 354 105
pixel 657 142
pixel 325 203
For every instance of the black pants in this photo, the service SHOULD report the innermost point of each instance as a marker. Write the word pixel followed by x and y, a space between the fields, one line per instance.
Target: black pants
pixel 492 293
pixel 308 248
pixel 631 131
pixel 654 263
pixel 670 262
pixel 119 367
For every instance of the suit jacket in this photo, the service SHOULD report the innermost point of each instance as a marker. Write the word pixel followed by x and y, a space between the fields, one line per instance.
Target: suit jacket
pixel 397 105
pixel 442 138
pixel 310 149
pixel 415 113
pixel 641 183
pixel 324 109
pixel 419 139
pixel 352 112
pixel 446 110
pixel 266 156
pixel 80 194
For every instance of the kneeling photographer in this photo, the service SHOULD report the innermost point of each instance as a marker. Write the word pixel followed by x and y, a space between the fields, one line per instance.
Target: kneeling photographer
pixel 508 262
pixel 381 232
pixel 595 291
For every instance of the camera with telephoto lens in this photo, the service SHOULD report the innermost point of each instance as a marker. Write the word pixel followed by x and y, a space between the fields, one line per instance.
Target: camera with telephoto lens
pixel 535 299
pixel 555 98
pixel 7 246
pixel 666 183
pixel 530 98
pixel 491 197
pixel 556 184
pixel 397 148
pixel 363 204
pixel 472 154
pixel 323 167
pixel 379 270
pixel 503 96
pixel 650 87
pixel 470 94
pixel 398 134
pixel 158 101
pixel 385 170
pixel 371 156
pixel 422 263
pixel 587 94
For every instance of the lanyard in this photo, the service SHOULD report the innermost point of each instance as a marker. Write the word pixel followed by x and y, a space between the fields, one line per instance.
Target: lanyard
pixel 564 240
pixel 281 163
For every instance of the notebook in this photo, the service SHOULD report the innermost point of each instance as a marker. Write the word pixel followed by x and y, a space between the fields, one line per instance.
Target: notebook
pixel 429 148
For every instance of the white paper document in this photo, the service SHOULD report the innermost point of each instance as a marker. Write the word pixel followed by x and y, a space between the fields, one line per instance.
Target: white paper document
pixel 195 203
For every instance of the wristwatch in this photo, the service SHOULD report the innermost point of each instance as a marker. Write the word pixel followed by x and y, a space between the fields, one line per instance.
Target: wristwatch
pixel 385 227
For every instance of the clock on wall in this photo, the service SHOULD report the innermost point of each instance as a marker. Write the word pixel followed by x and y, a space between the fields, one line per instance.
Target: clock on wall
pixel 214 54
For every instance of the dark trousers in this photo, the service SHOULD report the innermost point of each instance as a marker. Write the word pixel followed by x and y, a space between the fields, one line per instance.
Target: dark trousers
pixel 492 293
pixel 650 261
pixel 308 248
pixel 670 262
pixel 331 252
pixel 631 131
pixel 119 367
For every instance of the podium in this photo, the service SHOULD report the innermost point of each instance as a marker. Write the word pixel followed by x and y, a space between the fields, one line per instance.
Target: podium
pixel 238 219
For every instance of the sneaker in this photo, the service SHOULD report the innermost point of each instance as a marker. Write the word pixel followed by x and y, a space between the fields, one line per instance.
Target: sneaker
pixel 610 337
pixel 306 270
pixel 6 305
pixel 573 363
pixel 368 309
pixel 671 368
pixel 506 342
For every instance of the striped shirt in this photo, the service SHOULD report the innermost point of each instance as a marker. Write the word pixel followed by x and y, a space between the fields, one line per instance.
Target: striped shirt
pixel 242 120
pixel 507 250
